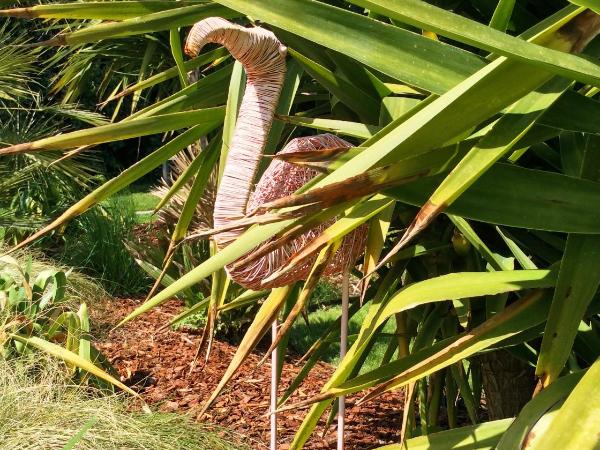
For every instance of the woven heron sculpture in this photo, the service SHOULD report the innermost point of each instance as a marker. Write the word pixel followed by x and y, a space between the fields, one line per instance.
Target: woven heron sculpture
pixel 263 59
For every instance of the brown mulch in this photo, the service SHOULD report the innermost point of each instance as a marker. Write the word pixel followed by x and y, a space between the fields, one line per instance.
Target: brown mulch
pixel 157 364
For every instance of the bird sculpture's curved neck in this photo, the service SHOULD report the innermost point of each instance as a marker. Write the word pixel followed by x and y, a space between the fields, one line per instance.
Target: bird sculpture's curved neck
pixel 263 59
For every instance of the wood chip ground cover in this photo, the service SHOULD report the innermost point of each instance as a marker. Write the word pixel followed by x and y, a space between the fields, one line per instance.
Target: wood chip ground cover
pixel 157 364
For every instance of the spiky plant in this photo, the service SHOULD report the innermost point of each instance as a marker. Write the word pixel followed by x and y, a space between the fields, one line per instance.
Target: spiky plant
pixel 484 140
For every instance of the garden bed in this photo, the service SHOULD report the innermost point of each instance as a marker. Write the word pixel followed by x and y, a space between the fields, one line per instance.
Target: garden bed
pixel 157 363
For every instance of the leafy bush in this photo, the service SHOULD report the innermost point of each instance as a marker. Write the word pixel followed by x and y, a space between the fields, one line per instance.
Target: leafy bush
pixel 40 408
pixel 42 307
pixel 96 243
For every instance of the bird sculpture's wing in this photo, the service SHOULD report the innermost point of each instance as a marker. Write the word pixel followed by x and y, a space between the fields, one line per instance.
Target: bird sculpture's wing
pixel 282 179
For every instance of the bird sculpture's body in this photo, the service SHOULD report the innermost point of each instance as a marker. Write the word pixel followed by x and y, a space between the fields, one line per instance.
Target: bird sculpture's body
pixel 263 58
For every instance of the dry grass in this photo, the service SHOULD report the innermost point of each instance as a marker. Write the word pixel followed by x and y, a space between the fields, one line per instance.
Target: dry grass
pixel 40 410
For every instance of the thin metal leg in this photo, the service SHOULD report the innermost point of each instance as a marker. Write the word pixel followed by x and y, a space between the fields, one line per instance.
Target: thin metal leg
pixel 274 364
pixel 343 348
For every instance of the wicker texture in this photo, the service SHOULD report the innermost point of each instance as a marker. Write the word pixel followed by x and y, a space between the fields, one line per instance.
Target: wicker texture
pixel 263 58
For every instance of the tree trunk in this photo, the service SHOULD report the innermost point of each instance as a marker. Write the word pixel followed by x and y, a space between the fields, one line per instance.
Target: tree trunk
pixel 508 383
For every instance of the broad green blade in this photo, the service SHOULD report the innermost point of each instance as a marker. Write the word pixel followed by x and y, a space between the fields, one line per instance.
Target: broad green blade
pixel 458 285
pixel 573 112
pixel 373 43
pixel 177 52
pixel 524 314
pixel 246 298
pixel 475 437
pixel 95 10
pixel 576 424
pixel 501 139
pixel 518 253
pixel 497 262
pixel 428 17
pixel 149 23
pixel 443 119
pixel 197 308
pixel 464 285
pixel 577 284
pixel 516 434
pixel 73 359
pixel 352 129
pixel 518 200
pixel 592 4
pixel 212 117
pixel 579 275
pixel 358 101
pixel 502 13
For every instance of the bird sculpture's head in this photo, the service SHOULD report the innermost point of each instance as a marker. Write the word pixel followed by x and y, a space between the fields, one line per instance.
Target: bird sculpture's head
pixel 257 49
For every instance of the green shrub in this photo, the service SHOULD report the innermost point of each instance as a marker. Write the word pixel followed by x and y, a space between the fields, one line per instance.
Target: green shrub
pixel 95 243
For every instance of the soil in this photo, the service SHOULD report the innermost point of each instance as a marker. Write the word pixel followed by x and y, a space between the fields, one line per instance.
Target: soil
pixel 157 364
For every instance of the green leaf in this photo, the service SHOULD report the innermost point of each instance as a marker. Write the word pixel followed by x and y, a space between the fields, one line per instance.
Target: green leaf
pixel 592 4
pixel 417 365
pixel 260 325
pixel 177 52
pixel 352 129
pixel 208 158
pixel 212 117
pixel 475 437
pixel 94 10
pixel 502 13
pixel 205 58
pixel 518 200
pixel 516 434
pixel 365 106
pixel 73 359
pixel 441 120
pixel 206 92
pixel 576 424
pixel 234 99
pixel 123 180
pixel 79 435
pixel 464 285
pixel 524 314
pixel 573 112
pixel 373 43
pixel 149 23
pixel 578 280
pixel 429 17
pixel 503 136
pixel 519 254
